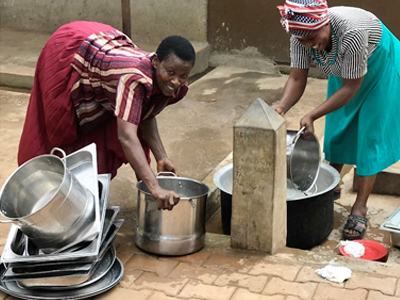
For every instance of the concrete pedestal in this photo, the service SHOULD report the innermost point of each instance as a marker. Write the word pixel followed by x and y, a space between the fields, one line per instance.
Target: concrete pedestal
pixel 259 180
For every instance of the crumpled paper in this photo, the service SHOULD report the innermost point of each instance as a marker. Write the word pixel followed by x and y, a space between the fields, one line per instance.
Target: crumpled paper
pixel 352 248
pixel 334 273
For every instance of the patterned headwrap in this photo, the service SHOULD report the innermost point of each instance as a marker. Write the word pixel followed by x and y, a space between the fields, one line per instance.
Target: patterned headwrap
pixel 302 17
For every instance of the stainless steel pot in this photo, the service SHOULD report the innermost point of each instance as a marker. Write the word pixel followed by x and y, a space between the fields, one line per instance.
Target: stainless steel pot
pixel 178 231
pixel 302 159
pixel 45 200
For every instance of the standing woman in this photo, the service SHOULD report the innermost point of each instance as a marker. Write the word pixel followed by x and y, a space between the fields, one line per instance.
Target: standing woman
pixel 362 58
pixel 94 85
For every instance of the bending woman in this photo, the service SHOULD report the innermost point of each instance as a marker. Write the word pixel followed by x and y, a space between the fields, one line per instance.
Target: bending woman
pixel 362 58
pixel 94 85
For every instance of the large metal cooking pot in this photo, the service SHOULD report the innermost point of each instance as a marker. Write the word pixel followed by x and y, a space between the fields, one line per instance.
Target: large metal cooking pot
pixel 310 215
pixel 178 231
pixel 45 200
pixel 303 159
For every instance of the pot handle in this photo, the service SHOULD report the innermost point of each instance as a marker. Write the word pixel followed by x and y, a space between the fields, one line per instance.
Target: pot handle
pixel 167 173
pixel 310 192
pixel 191 202
pixel 60 150
pixel 9 221
pixel 296 137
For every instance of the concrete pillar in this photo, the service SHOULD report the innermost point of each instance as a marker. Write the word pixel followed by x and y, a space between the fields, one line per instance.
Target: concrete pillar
pixel 259 180
pixel 126 17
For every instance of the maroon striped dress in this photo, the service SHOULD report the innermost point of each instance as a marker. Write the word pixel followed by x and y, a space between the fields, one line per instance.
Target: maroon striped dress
pixel 87 75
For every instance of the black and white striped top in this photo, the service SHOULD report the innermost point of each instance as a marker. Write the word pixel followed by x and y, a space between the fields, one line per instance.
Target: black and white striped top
pixel 355 34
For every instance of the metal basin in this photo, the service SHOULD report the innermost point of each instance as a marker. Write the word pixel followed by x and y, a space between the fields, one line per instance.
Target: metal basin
pixel 178 231
pixel 309 214
pixel 302 160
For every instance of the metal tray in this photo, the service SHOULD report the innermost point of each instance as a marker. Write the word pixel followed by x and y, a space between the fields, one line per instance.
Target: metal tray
pixel 108 281
pixel 111 214
pixel 109 238
pixel 55 268
pixel 68 280
pixel 85 172
pixel 392 224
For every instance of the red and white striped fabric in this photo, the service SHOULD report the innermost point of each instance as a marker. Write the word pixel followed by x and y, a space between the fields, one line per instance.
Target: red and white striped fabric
pixel 301 17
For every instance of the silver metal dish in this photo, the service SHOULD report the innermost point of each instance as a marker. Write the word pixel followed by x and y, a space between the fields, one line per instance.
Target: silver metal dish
pixel 108 281
pixel 110 237
pixel 392 224
pixel 29 271
pixel 303 159
pixel 12 274
pixel 111 214
pixel 69 280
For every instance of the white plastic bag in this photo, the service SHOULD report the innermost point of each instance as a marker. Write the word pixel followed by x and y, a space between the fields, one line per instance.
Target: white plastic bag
pixel 335 274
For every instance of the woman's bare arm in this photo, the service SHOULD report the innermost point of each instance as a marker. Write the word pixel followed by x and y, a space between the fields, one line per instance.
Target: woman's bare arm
pixel 293 90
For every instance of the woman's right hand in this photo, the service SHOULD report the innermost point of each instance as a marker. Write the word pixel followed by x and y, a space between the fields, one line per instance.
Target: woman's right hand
pixel 308 122
pixel 166 199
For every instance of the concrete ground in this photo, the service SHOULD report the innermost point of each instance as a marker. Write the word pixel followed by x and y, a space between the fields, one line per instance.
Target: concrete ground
pixel 198 135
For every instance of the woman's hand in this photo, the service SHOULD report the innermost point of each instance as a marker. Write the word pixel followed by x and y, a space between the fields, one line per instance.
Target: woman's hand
pixel 166 199
pixel 308 122
pixel 278 108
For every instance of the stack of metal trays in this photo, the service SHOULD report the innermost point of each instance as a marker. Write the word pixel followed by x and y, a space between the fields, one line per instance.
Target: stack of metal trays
pixel 392 224
pixel 80 270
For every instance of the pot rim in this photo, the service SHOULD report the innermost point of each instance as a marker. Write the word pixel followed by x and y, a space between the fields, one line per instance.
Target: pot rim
pixel 52 156
pixel 336 177
pixel 218 175
pixel 175 178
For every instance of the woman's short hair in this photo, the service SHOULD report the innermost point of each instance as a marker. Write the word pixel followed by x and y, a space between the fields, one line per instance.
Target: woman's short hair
pixel 177 45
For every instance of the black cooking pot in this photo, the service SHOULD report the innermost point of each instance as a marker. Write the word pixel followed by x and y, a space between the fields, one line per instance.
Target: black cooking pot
pixel 309 215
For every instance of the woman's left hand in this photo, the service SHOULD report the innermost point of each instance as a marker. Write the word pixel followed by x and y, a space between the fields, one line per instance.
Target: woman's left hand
pixel 165 165
pixel 308 122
